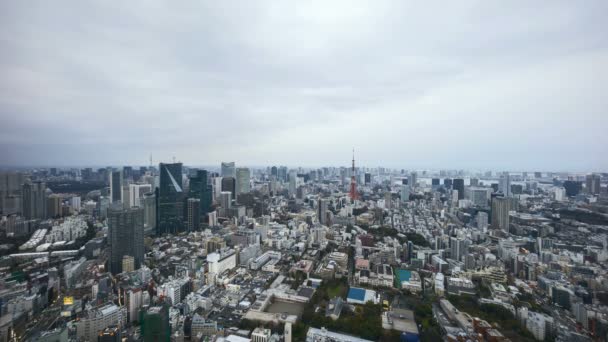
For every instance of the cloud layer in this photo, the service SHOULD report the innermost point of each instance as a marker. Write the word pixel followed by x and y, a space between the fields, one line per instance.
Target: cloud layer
pixel 477 84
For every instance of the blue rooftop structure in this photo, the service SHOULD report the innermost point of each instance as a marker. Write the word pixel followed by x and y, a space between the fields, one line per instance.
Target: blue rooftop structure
pixel 356 293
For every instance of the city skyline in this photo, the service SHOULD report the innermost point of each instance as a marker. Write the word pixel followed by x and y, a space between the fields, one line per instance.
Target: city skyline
pixel 469 85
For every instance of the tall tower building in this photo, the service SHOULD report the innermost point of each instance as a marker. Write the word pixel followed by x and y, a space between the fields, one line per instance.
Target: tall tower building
pixel 500 213
pixel 125 236
pixel 201 189
pixel 458 184
pixel 322 211
pixel 116 194
pixel 228 170
pixel 293 178
pixel 592 183
pixel 226 199
pixel 243 178
pixel 193 214
pixel 504 184
pixel 149 210
pixel 229 184
pixel 354 195
pixel 170 199
pixel 413 180
pixel 34 200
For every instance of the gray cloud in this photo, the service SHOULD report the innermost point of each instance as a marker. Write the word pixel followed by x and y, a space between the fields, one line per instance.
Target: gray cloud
pixel 472 84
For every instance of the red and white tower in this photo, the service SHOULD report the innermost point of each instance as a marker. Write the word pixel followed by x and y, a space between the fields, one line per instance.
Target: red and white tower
pixel 354 195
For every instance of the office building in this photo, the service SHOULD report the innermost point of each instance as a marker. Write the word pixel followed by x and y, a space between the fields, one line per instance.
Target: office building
pixel 136 194
pixel 413 180
pixel 201 189
pixel 260 335
pixel 116 189
pixel 501 206
pixel 368 178
pixel 34 202
pixel 149 210
pixel 447 183
pixel 243 179
pixel 125 236
pixel 53 206
pixel 458 184
pixel 226 199
pixel 170 199
pixel 479 196
pixel 504 184
pixel 193 214
pixel 293 178
pixel 228 170
pixel 229 184
pixel 592 183
pixel 322 211
pixel 155 324
pixel 435 183
pixel 97 319
pixel 572 187
pixel 482 221
pixel 405 193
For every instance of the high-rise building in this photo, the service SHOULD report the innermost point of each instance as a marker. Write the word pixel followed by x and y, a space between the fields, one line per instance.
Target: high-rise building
pixel 274 172
pixel 500 213
pixel 228 170
pixel 405 193
pixel 447 183
pixel 53 206
pixel 201 189
pixel 116 186
pixel 229 184
pixel 155 324
pixel 193 218
pixel 322 210
pixel 34 200
pixel 572 187
pixel 593 184
pixel 125 236
pixel 479 196
pixel 128 263
pixel 458 184
pixel 149 210
pixel 474 182
pixel 243 179
pixel 504 184
pixel 434 183
pixel 226 199
pixel 293 178
pixel 136 194
pixel 413 180
pixel 170 199
pixel 482 221
pixel 261 335
pixel 368 178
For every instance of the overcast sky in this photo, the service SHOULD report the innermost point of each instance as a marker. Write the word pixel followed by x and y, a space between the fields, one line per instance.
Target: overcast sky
pixel 456 84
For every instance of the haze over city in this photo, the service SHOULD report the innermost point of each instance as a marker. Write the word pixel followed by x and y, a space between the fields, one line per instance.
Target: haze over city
pixel 303 171
pixel 473 85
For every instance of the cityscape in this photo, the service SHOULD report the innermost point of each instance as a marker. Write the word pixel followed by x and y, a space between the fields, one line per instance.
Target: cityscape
pixel 317 171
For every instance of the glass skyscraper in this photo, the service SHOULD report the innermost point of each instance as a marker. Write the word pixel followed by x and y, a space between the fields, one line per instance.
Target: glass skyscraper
pixel 170 199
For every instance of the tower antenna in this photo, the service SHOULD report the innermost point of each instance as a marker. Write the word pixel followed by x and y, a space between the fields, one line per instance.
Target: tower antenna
pixel 354 195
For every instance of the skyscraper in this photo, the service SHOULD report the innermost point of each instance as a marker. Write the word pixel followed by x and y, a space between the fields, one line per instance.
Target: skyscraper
pixel 34 200
pixel 458 184
pixel 405 193
pixel 243 177
pixel 125 236
pixel 149 210
pixel 293 178
pixel 228 170
pixel 593 184
pixel 322 211
pixel 170 199
pixel 193 214
pixel 435 183
pixel 504 184
pixel 447 183
pixel 199 188
pixel 116 186
pixel 226 199
pixel 229 184
pixel 413 180
pixel 500 213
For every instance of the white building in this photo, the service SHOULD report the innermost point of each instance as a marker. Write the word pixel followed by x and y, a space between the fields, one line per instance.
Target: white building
pixel 219 262
pixel 98 319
